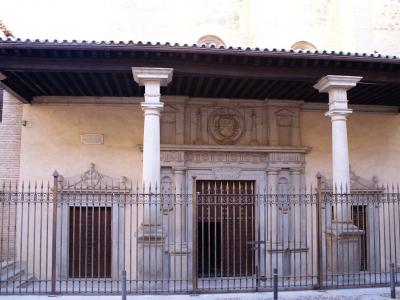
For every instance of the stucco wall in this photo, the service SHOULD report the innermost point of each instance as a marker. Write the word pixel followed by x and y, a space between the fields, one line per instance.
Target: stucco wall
pixel 374 145
pixel 53 141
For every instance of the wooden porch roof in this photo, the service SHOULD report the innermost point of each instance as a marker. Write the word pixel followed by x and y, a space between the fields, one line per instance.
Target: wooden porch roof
pixel 52 68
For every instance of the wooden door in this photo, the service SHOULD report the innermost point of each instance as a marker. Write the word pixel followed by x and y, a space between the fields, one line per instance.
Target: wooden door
pixel 90 242
pixel 225 228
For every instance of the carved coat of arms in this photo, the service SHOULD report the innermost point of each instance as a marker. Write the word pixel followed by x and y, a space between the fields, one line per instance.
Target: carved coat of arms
pixel 226 125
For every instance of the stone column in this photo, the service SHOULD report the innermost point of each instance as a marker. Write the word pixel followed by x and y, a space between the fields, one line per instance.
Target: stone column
pixel 150 235
pixel 342 236
pixel 178 249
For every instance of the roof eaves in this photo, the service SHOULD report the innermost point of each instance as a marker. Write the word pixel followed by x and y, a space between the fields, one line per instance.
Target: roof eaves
pixel 157 46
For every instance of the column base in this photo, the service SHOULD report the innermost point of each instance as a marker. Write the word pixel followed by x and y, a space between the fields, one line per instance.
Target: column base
pixel 178 256
pixel 290 258
pixel 343 247
pixel 150 252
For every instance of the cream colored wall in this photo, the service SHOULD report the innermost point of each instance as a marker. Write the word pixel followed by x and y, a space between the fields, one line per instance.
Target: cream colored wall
pixel 53 141
pixel 374 145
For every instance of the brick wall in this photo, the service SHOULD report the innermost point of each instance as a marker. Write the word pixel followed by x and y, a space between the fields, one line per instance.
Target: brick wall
pixel 10 142
pixel 10 138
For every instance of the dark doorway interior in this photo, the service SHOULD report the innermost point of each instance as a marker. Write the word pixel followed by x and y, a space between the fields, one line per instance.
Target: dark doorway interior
pixel 225 228
pixel 90 242
pixel 359 216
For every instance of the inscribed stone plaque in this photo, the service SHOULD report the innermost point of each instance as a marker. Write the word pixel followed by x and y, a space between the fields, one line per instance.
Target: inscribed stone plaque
pixel 92 139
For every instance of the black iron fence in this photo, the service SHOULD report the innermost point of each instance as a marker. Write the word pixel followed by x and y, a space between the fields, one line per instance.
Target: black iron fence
pixel 223 237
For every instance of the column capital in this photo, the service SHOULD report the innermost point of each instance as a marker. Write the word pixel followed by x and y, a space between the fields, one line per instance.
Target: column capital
pixel 162 75
pixel 330 82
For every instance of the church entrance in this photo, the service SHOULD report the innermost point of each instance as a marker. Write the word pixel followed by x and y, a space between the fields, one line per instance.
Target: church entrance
pixel 225 228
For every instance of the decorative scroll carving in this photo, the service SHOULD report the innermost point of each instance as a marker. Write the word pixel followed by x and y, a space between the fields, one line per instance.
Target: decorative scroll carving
pixel 226 125
pixel 93 179
pixel 357 183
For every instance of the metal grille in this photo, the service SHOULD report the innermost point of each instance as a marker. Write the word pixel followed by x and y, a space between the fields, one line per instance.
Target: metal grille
pixel 224 237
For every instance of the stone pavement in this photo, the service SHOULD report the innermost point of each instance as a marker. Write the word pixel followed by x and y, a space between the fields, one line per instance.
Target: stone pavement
pixel 345 294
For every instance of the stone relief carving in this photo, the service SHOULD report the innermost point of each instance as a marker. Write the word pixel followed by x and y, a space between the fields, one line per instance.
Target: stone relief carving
pixel 93 179
pixel 284 119
pixel 198 140
pixel 168 132
pixel 253 122
pixel 226 125
pixel 253 141
pixel 356 182
pixel 166 193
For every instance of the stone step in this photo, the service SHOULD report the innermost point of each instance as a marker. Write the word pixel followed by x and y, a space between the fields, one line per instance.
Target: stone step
pixel 7 264
pixel 22 281
pixel 10 274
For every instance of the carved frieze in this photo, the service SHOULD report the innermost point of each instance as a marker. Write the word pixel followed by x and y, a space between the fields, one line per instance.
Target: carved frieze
pixel 226 157
pixel 286 158
pixel 172 156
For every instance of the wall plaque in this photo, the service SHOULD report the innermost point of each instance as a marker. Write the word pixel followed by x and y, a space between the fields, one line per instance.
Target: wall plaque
pixel 92 139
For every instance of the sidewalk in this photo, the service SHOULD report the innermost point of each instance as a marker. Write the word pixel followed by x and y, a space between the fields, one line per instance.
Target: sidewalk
pixel 347 294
